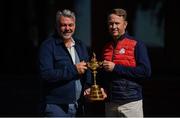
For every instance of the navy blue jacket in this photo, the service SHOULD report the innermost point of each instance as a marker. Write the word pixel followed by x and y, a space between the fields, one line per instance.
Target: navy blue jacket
pixel 123 84
pixel 58 72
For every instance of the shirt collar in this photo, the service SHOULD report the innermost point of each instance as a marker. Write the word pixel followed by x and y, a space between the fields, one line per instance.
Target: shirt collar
pixel 73 42
pixel 123 36
pixel 60 40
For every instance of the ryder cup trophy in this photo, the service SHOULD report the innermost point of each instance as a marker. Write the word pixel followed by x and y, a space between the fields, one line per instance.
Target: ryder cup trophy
pixel 95 93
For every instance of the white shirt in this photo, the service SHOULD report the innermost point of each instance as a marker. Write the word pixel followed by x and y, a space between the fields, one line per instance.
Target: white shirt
pixel 71 50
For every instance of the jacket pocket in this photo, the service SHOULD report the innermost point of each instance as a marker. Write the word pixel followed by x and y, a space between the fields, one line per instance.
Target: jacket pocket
pixel 61 61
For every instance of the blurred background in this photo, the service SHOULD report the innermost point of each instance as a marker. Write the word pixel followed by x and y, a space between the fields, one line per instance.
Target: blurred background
pixel 25 24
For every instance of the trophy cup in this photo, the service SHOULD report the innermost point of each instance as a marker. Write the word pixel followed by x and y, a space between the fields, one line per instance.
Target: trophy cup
pixel 95 93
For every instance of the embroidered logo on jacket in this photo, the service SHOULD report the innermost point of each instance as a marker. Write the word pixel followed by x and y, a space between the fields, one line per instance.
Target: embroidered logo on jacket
pixel 122 51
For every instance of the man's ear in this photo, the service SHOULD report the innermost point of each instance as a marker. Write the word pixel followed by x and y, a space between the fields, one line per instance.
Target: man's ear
pixel 125 24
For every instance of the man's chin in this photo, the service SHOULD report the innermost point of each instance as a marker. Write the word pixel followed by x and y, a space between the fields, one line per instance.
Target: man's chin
pixel 116 36
pixel 67 37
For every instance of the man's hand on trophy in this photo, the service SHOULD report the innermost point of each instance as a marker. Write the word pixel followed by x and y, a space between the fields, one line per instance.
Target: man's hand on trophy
pixel 87 92
pixel 104 93
pixel 108 65
pixel 81 67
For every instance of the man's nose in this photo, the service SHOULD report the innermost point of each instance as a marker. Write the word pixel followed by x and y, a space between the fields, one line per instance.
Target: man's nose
pixel 67 27
pixel 114 25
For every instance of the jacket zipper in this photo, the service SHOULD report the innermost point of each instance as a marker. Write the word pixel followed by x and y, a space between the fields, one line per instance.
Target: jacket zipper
pixel 114 47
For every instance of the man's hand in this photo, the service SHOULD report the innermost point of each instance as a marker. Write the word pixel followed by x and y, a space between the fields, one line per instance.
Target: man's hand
pixel 108 65
pixel 104 94
pixel 81 67
pixel 87 92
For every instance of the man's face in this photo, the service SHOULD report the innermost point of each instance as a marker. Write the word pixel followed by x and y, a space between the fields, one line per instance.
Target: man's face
pixel 116 25
pixel 66 27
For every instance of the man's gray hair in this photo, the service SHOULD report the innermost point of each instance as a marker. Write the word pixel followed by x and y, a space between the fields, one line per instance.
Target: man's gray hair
pixel 65 13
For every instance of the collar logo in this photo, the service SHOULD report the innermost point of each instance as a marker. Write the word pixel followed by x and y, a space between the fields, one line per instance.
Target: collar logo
pixel 122 51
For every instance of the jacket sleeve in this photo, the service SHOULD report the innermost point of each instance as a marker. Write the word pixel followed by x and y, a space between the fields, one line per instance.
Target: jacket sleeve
pixel 86 56
pixel 142 69
pixel 46 66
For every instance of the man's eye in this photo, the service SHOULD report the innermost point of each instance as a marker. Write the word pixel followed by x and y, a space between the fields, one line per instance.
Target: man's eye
pixel 62 25
pixel 110 23
pixel 70 25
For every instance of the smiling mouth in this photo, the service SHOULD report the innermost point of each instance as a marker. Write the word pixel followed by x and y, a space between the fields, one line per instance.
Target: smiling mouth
pixel 114 32
pixel 67 33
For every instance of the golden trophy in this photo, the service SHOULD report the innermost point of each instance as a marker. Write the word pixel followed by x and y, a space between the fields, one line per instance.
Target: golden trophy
pixel 95 92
